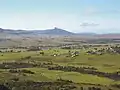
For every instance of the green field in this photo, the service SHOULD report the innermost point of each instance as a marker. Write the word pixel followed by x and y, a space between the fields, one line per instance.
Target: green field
pixel 40 64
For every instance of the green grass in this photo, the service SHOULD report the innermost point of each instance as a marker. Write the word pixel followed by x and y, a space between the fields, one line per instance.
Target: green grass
pixel 104 63
pixel 15 56
pixel 73 76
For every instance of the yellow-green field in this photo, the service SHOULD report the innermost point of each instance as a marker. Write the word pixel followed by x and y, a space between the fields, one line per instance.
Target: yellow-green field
pixel 107 63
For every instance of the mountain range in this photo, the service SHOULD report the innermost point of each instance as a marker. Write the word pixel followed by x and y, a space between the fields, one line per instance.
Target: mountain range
pixel 54 31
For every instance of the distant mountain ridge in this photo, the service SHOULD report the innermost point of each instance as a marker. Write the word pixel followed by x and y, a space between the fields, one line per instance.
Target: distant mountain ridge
pixel 54 31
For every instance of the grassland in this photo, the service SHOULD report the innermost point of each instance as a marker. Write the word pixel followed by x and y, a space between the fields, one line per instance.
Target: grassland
pixel 108 63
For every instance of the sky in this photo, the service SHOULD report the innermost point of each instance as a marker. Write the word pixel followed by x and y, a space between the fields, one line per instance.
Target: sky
pixel 89 16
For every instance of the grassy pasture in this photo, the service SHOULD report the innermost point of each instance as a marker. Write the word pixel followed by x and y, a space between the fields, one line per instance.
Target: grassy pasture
pixel 104 63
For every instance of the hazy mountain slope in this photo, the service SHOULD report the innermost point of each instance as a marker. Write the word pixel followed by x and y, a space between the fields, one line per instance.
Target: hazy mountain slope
pixel 55 31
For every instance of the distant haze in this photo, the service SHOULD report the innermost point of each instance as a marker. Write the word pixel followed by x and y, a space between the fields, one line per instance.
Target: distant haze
pixel 93 16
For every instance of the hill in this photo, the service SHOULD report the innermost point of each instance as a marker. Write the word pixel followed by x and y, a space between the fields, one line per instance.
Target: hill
pixel 55 31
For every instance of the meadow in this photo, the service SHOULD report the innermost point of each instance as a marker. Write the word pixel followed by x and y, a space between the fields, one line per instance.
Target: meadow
pixel 85 71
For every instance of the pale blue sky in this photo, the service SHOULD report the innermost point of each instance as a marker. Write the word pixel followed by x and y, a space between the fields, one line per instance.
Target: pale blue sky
pixel 99 16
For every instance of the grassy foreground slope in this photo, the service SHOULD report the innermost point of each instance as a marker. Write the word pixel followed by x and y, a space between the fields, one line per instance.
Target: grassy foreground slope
pixel 32 66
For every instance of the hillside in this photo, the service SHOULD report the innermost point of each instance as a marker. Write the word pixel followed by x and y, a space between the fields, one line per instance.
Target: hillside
pixel 55 31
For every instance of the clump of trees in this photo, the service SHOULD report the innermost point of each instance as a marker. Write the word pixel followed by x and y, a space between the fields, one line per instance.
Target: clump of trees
pixel 94 88
pixel 15 65
pixel 31 85
pixel 21 71
pixel 3 87
pixel 109 50
pixel 60 84
pixel 116 85
pixel 42 52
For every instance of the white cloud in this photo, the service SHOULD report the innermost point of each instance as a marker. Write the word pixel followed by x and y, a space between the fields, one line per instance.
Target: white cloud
pixel 86 24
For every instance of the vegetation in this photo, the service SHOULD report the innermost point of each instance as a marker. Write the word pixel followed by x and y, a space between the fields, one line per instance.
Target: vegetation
pixel 81 67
